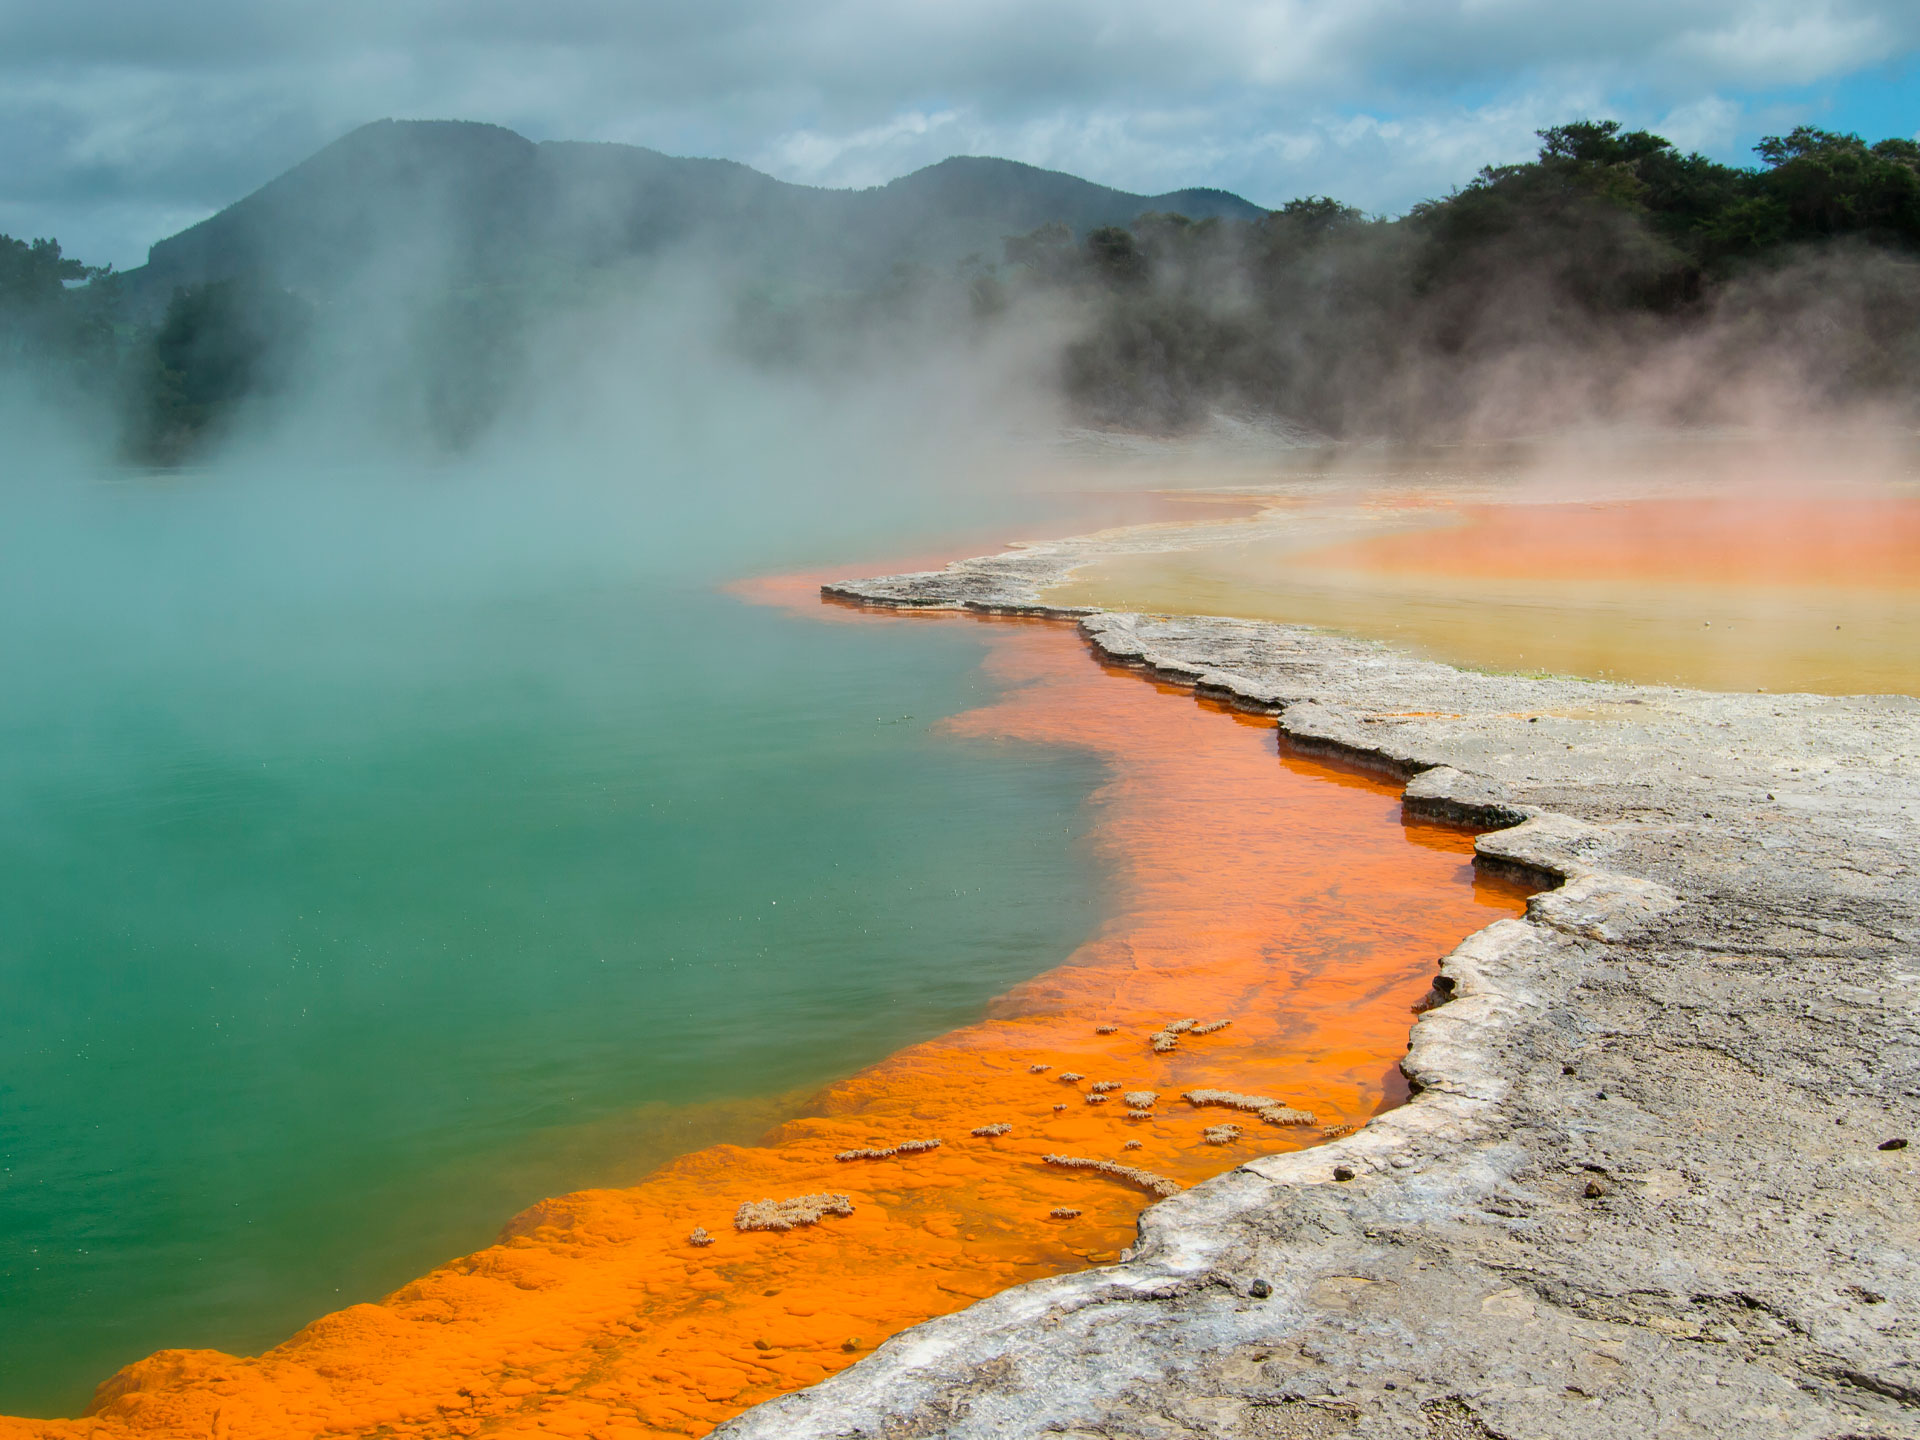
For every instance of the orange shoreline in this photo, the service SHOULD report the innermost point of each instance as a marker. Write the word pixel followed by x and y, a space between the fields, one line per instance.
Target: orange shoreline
pixel 1288 897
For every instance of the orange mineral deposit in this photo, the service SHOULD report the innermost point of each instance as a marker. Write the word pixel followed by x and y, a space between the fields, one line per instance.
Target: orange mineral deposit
pixel 1760 538
pixel 1750 590
pixel 1283 897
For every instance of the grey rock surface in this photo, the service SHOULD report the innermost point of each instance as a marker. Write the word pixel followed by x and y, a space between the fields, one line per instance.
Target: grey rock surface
pixel 1642 1188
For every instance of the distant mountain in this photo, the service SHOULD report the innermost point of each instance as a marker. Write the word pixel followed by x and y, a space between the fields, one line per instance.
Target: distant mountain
pixel 397 200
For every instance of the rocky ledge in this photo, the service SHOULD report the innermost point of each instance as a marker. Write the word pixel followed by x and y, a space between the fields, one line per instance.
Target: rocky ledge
pixel 1653 1180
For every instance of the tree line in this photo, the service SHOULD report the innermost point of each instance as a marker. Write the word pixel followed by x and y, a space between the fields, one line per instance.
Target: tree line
pixel 1611 274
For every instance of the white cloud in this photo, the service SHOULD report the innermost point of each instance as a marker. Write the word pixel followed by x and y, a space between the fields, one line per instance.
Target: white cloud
pixel 1785 44
pixel 115 105
pixel 864 157
pixel 1710 123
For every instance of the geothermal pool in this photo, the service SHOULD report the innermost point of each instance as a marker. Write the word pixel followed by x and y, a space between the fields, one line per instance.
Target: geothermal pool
pixel 357 903
pixel 1287 898
pixel 350 909
pixel 341 933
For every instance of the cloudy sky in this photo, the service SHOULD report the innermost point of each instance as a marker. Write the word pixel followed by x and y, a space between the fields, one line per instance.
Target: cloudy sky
pixel 128 119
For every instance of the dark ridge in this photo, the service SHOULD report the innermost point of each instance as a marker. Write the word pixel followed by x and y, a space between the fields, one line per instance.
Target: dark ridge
pixel 397 200
pixel 461 187
pixel 1025 197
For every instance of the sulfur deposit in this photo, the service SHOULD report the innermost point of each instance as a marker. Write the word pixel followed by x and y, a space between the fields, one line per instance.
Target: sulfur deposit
pixel 785 1215
pixel 1273 1112
pixel 905 1147
pixel 1146 1180
pixel 1229 1098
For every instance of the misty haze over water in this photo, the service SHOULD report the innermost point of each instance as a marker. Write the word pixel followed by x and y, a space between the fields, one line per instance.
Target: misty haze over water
pixel 393 848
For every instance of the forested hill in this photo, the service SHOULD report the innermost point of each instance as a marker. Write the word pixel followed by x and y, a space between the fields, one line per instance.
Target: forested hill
pixel 471 202
pixel 1614 277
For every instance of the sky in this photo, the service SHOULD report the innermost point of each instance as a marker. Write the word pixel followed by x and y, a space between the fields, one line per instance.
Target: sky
pixel 128 120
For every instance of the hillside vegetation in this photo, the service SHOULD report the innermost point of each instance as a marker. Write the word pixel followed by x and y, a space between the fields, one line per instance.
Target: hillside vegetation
pixel 1611 276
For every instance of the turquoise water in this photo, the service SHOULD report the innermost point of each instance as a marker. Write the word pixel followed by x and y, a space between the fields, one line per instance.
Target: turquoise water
pixel 371 875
